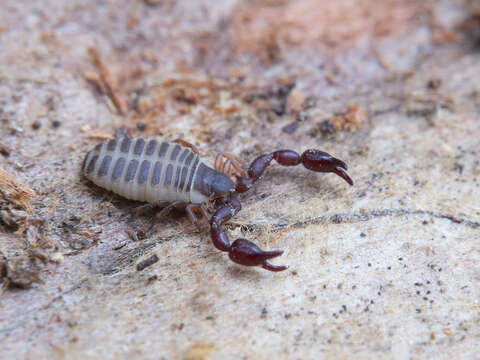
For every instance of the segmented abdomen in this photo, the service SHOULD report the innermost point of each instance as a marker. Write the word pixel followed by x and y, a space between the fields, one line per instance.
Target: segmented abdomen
pixel 143 169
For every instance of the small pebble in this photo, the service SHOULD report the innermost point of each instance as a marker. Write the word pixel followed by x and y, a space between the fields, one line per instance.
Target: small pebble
pixel 434 83
pixel 290 128
pixel 56 257
pixel 36 125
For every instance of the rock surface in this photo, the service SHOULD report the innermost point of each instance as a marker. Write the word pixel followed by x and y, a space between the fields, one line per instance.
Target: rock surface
pixel 388 268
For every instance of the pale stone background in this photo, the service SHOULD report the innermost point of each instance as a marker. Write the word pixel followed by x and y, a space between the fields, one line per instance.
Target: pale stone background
pixel 388 268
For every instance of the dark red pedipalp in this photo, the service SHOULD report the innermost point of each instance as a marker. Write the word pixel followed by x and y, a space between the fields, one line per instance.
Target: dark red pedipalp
pixel 243 251
pixel 321 161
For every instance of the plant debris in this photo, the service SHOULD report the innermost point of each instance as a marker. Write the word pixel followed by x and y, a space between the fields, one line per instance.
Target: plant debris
pixel 198 352
pixel 347 121
pixel 20 272
pixel 427 105
pixel 105 82
pixel 147 262
pixel 14 193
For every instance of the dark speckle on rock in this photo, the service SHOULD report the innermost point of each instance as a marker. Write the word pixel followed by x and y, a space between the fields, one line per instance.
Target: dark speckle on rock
pixel 56 124
pixel 290 128
pixel 37 124
pixel 264 313
pixel 337 219
pixel 326 127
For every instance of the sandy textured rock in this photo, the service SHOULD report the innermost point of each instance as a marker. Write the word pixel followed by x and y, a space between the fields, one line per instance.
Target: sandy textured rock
pixel 388 268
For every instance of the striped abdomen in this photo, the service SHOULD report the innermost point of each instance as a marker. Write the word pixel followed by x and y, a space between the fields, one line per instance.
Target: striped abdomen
pixel 145 170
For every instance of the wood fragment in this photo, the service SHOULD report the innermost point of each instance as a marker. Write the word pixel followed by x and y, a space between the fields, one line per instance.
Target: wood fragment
pixel 198 352
pixel 147 262
pixel 105 81
pixel 21 273
pixel 14 192
pixel 295 101
pixel 96 135
pixel 348 121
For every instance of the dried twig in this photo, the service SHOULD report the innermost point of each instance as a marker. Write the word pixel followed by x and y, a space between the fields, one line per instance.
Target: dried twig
pixel 105 81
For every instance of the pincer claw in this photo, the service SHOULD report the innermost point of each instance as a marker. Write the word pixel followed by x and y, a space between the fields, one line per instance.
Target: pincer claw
pixel 343 174
pixel 321 161
pixel 246 253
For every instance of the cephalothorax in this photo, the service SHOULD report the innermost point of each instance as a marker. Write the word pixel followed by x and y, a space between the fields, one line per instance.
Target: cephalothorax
pixel 172 175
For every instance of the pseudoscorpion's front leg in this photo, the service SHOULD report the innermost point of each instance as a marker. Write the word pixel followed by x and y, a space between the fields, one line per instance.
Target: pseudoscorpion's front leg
pixel 312 159
pixel 242 251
